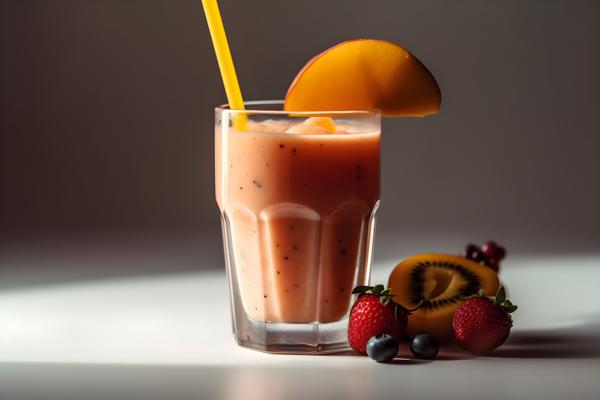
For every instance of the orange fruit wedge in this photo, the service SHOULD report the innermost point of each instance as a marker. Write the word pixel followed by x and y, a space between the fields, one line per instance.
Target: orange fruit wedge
pixel 365 74
pixel 439 282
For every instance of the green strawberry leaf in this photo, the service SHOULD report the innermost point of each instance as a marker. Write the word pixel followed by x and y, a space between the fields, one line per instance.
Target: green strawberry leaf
pixel 378 289
pixel 501 295
pixel 511 309
pixel 361 289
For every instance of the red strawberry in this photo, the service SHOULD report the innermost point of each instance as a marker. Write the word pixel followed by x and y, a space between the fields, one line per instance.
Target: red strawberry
pixel 483 323
pixel 373 314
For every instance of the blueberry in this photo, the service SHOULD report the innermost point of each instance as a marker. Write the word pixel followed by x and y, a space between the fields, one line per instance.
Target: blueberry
pixel 382 348
pixel 424 346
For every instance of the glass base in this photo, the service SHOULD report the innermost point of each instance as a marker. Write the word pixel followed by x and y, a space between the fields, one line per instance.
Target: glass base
pixel 282 338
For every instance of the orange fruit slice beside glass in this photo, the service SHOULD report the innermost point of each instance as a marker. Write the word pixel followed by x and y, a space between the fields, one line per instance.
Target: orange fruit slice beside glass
pixel 365 74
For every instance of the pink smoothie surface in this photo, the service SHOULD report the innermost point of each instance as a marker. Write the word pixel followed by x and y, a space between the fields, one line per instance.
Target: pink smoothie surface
pixel 297 209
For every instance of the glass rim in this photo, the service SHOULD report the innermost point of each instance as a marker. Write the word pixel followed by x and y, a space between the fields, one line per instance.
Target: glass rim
pixel 330 113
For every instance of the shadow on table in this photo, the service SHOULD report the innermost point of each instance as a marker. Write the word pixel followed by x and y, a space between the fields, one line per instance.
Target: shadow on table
pixel 448 352
pixel 77 381
pixel 75 261
pixel 568 343
pixel 578 342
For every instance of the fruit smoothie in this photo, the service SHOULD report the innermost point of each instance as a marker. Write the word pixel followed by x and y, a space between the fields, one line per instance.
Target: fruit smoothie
pixel 297 204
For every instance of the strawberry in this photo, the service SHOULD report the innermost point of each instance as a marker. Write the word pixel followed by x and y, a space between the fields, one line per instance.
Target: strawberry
pixel 374 313
pixel 483 323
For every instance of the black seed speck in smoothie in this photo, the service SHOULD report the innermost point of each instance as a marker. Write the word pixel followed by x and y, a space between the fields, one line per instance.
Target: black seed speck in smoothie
pixel 358 172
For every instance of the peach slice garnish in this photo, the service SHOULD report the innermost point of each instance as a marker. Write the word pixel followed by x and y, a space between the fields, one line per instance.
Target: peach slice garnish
pixel 365 74
pixel 314 125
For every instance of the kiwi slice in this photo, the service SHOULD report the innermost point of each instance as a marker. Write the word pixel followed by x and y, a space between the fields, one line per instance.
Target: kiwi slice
pixel 439 282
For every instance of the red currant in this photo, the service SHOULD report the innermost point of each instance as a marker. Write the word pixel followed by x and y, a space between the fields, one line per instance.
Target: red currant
pixel 474 253
pixel 493 251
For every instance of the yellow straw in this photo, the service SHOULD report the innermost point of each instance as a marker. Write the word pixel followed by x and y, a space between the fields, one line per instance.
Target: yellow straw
pixel 219 40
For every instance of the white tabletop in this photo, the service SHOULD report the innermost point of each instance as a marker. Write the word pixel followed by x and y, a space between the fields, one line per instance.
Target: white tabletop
pixel 169 337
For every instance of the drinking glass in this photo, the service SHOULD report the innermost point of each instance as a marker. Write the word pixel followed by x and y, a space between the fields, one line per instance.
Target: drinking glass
pixel 298 209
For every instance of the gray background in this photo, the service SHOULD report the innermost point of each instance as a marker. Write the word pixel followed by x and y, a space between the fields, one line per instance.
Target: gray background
pixel 106 114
